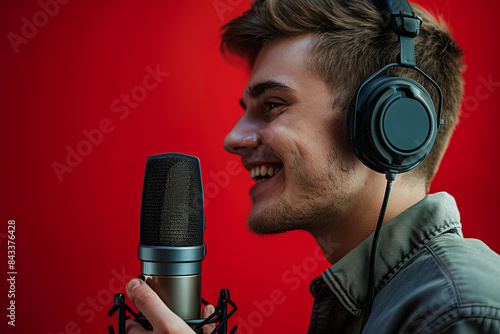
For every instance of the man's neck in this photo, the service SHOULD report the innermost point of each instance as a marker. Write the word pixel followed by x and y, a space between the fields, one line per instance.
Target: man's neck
pixel 339 237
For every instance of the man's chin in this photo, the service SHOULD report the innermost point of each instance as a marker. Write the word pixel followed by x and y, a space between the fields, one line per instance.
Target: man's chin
pixel 262 228
pixel 265 223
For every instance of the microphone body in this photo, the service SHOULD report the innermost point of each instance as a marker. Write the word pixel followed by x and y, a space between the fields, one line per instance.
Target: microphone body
pixel 172 246
pixel 174 273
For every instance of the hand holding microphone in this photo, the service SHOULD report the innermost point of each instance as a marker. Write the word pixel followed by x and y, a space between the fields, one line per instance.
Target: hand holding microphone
pixel 159 315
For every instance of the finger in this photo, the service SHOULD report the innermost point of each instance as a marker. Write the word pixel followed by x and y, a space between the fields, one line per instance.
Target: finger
pixel 133 327
pixel 205 313
pixel 159 315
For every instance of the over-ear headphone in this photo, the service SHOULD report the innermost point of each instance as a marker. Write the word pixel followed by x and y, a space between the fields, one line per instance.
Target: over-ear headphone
pixel 392 122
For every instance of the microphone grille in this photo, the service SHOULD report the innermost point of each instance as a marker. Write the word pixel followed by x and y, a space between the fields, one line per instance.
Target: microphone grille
pixel 172 201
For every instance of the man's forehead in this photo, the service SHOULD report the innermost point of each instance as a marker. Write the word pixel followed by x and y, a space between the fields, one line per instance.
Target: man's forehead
pixel 279 63
pixel 286 50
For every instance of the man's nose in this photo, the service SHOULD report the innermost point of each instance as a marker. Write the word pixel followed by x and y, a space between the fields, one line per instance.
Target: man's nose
pixel 243 137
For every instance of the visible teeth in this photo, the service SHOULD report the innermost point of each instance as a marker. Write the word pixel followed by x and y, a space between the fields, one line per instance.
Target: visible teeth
pixel 260 173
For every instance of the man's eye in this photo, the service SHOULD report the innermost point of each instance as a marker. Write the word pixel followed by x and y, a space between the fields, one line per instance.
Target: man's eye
pixel 272 105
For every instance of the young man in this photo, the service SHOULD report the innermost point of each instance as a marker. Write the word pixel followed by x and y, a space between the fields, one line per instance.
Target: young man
pixel 307 59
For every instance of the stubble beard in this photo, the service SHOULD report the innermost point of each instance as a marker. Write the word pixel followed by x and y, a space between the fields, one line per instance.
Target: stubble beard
pixel 321 201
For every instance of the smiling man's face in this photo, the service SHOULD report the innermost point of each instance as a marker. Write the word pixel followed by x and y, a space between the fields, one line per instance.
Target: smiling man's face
pixel 293 143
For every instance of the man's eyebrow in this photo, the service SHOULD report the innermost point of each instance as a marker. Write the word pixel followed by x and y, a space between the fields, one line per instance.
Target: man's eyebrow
pixel 260 88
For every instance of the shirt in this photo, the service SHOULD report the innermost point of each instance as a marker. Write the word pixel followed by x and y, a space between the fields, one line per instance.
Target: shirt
pixel 428 279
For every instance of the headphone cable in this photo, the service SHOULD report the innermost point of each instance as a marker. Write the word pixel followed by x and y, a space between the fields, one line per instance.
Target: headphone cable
pixel 390 176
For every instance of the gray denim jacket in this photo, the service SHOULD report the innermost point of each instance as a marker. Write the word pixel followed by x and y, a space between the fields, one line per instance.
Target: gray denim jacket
pixel 429 279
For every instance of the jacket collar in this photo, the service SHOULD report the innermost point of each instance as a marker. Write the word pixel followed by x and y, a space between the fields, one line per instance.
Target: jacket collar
pixel 399 240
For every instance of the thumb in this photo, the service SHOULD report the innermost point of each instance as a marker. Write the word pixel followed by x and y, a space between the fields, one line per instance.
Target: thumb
pixel 162 319
pixel 205 313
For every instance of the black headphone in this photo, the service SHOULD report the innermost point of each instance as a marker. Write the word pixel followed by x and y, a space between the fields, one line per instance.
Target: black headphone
pixel 392 122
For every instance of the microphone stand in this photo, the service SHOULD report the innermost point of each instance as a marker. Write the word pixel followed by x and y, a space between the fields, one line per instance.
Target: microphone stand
pixel 220 315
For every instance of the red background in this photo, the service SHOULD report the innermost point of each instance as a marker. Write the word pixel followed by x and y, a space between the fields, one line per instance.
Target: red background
pixel 75 234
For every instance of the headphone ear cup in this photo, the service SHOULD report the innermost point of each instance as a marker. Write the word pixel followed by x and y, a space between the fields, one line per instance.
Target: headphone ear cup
pixel 392 124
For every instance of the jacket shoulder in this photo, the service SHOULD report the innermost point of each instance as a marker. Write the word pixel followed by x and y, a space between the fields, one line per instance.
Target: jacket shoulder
pixel 452 285
pixel 470 266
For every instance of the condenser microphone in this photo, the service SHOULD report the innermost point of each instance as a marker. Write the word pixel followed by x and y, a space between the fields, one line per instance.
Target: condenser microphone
pixel 171 246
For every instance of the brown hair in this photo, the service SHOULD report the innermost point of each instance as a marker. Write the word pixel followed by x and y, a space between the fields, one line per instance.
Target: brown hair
pixel 354 40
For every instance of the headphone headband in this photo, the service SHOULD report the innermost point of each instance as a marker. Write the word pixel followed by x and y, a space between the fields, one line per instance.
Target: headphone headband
pixel 406 25
pixel 394 6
